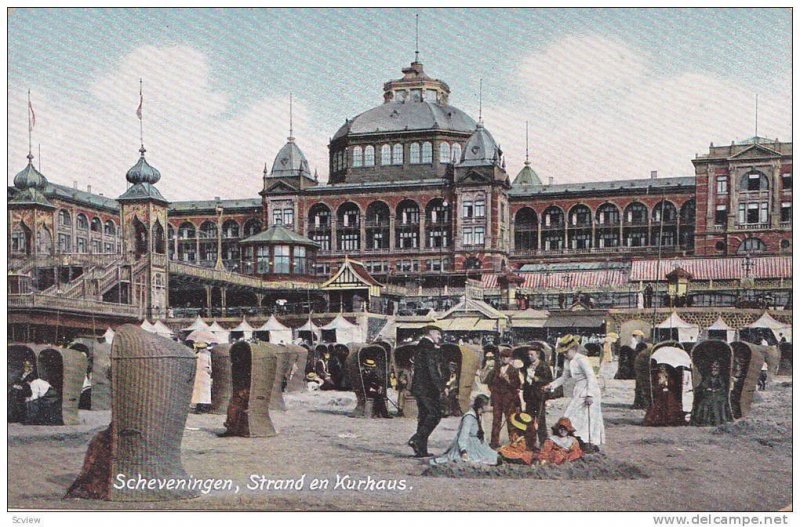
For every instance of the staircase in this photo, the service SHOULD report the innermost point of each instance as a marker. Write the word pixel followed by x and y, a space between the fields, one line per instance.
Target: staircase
pixel 106 275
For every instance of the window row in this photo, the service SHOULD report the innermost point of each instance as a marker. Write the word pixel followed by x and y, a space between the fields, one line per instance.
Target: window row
pixel 418 154
pixel 82 222
pixel 607 214
pixel 86 246
pixel 530 240
pixel 208 229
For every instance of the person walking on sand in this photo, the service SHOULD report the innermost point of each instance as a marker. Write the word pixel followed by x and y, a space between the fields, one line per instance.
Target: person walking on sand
pixel 584 410
pixel 427 385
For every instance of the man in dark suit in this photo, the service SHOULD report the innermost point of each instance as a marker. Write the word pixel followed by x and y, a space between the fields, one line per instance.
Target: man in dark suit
pixel 427 386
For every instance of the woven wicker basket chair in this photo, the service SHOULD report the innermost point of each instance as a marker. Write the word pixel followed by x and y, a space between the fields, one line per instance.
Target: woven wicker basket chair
pixel 286 360
pixel 65 370
pixel 785 367
pixel 747 363
pixel 152 379
pixel 253 373
pixel 641 368
pixel 341 352
pixel 221 378
pixel 667 409
pixel 403 359
pixel 296 382
pixel 625 370
pixel 99 354
pixel 704 354
pixel 467 359
pixel 356 372
pixel 18 353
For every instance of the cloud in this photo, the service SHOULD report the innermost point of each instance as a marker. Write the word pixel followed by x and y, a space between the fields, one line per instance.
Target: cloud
pixel 599 109
pixel 204 142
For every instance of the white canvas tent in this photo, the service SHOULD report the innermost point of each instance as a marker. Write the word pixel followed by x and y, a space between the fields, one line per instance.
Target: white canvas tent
pixel 686 332
pixel 310 328
pixel 197 324
pixel 242 331
pixel 278 333
pixel 221 333
pixel 721 330
pixel 147 326
pixel 778 328
pixel 159 328
pixel 108 336
pixel 344 331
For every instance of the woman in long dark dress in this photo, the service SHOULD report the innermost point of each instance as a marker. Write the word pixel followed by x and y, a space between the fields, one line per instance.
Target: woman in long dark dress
pixel 666 408
pixel 712 405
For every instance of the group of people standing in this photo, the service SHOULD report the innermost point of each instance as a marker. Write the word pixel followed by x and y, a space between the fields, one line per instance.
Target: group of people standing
pixel 518 390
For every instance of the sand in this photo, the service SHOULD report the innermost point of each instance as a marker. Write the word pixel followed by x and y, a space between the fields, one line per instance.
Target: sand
pixel 742 466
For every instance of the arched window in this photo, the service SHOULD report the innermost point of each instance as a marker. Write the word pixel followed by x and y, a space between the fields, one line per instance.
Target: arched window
pixel 607 214
pixel 158 238
pixel 83 222
pixel 64 218
pixel 369 156
pixel 386 155
pixel 251 227
pixel 444 153
pixel 186 231
pixel 230 229
pixel 456 154
pixel 357 157
pixel 525 229
pixel 636 213
pixel 553 216
pixel 754 181
pixel 413 153
pixel 751 245
pixel 580 216
pixel 97 225
pixel 670 212
pixel 397 154
pixel 427 152
pixel 110 228
pixel 208 230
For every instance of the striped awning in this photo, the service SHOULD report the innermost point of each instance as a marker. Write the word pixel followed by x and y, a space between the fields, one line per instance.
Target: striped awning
pixel 567 280
pixel 714 268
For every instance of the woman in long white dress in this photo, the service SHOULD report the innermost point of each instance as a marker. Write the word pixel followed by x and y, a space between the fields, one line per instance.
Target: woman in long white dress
pixel 584 410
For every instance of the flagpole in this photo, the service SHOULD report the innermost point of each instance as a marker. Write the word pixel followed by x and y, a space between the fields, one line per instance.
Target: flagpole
pixel 30 128
pixel 141 126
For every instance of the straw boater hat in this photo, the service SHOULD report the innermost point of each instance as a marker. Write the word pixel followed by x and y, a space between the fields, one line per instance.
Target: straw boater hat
pixel 566 343
pixel 613 335
pixel 521 421
pixel 638 333
pixel 566 423
pixel 311 376
pixel 370 363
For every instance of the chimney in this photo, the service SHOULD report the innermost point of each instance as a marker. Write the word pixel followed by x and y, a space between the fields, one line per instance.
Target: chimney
pixel 89 189
pixel 653 174
pixel 550 180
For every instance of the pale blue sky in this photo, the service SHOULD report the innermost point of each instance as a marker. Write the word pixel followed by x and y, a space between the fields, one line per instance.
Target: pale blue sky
pixel 335 61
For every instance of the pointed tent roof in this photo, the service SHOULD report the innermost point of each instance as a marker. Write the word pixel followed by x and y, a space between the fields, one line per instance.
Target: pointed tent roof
pixel 108 336
pixel 290 162
pixel 720 325
pixel 272 324
pixel 147 326
pixel 243 326
pixel 676 322
pixel 216 328
pixel 339 323
pixel 278 234
pixel 197 324
pixel 309 326
pixel 766 321
pixel 162 329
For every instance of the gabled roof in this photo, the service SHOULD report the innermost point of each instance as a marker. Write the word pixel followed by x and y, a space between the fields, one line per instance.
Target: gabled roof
pixel 756 150
pixel 278 234
pixel 351 273
pixel 471 306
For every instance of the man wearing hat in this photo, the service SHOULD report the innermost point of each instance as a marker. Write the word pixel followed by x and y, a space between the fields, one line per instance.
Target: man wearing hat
pixel 427 386
pixel 374 388
pixel 505 386
pixel 583 410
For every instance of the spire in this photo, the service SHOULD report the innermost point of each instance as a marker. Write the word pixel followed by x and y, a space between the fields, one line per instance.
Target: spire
pixel 291 123
pixel 139 115
pixel 527 159
pixel 480 102
pixel 31 123
pixel 265 169
pixel 416 40
pixel 756 135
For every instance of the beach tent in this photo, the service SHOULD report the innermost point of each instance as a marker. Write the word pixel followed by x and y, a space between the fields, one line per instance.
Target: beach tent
pixel 340 330
pixel 242 331
pixel 221 333
pixel 159 328
pixel 720 330
pixel 278 333
pixel 202 335
pixel 108 336
pixel 675 328
pixel 310 332
pixel 777 328
pixel 147 326
pixel 197 324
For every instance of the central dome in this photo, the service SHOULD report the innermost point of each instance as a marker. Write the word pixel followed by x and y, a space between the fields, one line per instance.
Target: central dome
pixel 408 116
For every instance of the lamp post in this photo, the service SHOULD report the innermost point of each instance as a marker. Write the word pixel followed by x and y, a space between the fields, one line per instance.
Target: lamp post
pixel 218 266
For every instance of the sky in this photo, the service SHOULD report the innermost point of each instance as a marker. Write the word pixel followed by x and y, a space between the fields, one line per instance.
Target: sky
pixel 608 94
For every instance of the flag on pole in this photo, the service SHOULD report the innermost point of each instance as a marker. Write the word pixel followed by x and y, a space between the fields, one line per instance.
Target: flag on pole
pixel 33 115
pixel 139 109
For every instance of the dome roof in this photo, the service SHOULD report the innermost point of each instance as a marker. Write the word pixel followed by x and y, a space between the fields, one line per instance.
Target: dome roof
pixel 142 172
pixel 481 149
pixel 29 177
pixel 290 161
pixel 527 176
pixel 407 116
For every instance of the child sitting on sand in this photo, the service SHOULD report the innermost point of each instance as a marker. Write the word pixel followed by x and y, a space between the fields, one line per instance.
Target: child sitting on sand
pixel 561 446
pixel 518 450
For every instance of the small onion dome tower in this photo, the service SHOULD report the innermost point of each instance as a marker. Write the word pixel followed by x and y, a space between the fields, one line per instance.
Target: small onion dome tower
pixel 143 177
pixel 278 252
pixel 29 185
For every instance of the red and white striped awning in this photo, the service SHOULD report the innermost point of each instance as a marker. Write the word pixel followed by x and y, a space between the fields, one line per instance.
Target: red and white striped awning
pixel 567 280
pixel 713 268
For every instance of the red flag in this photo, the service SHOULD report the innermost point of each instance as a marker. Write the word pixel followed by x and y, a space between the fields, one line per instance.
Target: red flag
pixel 139 109
pixel 33 115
